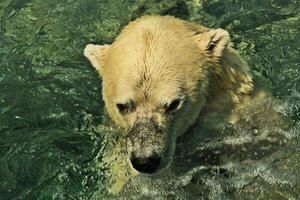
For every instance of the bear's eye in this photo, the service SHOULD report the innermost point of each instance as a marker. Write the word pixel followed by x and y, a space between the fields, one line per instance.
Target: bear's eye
pixel 124 108
pixel 171 107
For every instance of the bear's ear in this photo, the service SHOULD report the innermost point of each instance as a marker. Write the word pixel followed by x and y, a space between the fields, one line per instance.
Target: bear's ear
pixel 95 54
pixel 214 41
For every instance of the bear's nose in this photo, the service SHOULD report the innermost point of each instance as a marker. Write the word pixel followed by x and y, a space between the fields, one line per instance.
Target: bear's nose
pixel 147 164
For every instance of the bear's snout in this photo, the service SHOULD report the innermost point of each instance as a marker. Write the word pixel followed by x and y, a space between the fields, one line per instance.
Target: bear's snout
pixel 149 164
pixel 145 146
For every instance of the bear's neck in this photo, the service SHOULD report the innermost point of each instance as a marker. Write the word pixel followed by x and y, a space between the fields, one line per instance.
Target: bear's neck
pixel 230 86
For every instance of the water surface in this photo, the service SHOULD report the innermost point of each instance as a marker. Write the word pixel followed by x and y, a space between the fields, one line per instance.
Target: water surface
pixel 51 135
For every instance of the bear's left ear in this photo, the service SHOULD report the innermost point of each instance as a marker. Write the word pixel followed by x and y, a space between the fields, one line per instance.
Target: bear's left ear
pixel 95 54
pixel 213 41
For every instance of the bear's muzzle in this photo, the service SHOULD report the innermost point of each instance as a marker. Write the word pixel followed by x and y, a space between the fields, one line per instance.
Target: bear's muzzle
pixel 145 145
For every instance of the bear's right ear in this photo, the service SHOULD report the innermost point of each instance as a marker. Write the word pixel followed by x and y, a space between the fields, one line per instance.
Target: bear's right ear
pixel 95 54
pixel 213 41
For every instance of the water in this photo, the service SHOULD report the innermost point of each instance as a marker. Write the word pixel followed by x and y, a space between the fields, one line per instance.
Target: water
pixel 53 140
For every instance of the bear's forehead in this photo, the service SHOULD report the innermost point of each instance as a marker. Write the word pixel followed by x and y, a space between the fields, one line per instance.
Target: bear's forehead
pixel 155 42
pixel 149 81
pixel 151 59
pixel 150 53
pixel 154 92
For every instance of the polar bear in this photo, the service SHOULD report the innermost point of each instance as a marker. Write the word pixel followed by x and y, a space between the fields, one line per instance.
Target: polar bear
pixel 161 75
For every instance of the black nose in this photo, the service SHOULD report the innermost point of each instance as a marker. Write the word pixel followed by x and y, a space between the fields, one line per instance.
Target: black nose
pixel 145 164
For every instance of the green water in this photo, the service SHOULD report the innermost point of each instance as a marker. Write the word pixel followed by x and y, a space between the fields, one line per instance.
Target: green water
pixel 50 102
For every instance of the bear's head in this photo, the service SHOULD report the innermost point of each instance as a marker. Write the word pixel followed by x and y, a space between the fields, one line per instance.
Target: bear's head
pixel 155 79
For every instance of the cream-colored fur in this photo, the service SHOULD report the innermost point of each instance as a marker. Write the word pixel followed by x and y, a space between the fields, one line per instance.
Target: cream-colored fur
pixel 158 58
